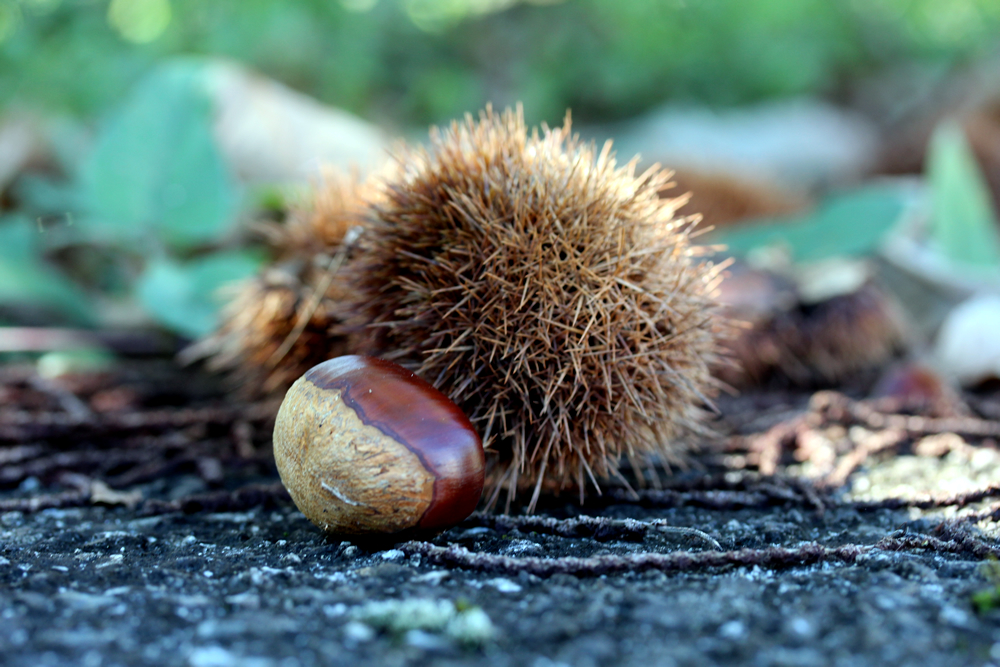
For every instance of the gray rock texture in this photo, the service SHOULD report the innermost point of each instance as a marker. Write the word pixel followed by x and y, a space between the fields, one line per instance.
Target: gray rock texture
pixel 141 523
pixel 105 586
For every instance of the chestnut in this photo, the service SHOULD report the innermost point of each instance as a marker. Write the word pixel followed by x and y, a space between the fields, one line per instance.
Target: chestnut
pixel 365 446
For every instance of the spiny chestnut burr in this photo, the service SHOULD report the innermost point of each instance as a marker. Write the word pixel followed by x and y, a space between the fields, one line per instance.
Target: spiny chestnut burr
pixel 547 290
pixel 842 337
pixel 365 446
pixel 285 320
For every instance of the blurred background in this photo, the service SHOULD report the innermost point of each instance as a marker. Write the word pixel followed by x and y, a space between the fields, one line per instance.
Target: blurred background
pixel 401 63
pixel 139 139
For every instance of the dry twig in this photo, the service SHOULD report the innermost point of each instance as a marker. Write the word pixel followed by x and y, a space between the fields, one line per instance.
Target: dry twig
pixel 679 561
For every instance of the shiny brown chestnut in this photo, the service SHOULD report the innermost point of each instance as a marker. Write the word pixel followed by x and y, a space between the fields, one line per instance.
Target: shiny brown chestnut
pixel 365 446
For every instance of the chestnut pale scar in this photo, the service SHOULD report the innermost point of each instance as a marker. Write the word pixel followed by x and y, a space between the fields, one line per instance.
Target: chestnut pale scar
pixel 365 446
pixel 411 412
pixel 354 471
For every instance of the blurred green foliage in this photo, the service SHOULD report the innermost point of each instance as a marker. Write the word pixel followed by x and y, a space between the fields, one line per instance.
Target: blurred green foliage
pixel 850 224
pixel 140 213
pixel 963 226
pixel 155 169
pixel 419 61
pixel 988 599
pixel 186 297
pixel 145 218
pixel 25 278
pixel 963 222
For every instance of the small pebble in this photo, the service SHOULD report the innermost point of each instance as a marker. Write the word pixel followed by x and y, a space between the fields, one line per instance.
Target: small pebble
pixel 732 630
pixel 801 627
pixel 503 585
pixel 358 632
pixel 426 641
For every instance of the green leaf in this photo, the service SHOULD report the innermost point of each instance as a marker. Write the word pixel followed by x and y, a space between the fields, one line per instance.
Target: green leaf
pixel 46 195
pixel 850 224
pixel 185 297
pixel 25 278
pixel 986 601
pixel 156 168
pixel 963 222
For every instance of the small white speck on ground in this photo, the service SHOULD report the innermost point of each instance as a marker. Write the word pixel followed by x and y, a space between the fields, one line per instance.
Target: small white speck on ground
pixel 335 610
pixel 518 547
pixel 503 585
pixel 425 640
pixel 732 629
pixel 433 577
pixel 357 632
pixel 801 627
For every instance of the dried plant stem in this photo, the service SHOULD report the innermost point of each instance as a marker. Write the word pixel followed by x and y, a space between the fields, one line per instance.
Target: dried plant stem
pixel 599 528
pixel 239 500
pixel 836 407
pixel 679 561
pixel 24 425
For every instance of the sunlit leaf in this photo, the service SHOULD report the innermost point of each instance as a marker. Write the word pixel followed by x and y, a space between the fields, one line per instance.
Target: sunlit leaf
pixel 186 297
pixel 851 224
pixel 156 168
pixel 26 279
pixel 963 222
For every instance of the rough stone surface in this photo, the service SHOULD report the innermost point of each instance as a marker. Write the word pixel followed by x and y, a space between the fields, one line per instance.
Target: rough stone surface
pixel 105 586
pixel 167 540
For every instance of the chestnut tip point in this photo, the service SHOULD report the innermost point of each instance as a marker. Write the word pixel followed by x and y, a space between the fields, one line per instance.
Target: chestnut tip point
pixel 364 446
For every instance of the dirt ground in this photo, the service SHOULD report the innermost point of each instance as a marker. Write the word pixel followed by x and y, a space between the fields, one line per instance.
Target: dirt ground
pixel 141 523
